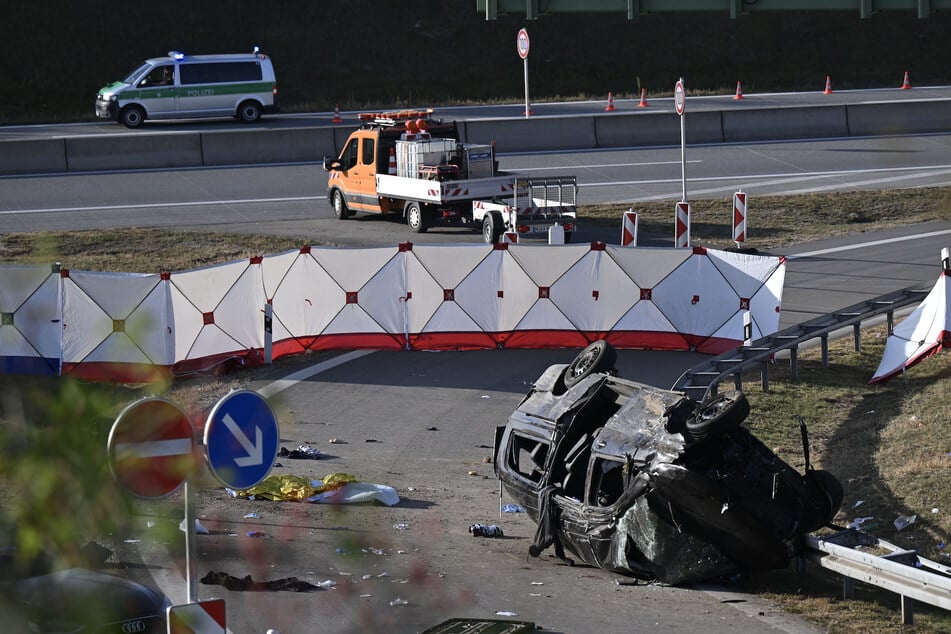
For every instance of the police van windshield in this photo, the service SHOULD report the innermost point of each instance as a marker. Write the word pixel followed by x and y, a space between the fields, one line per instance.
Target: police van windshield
pixel 131 77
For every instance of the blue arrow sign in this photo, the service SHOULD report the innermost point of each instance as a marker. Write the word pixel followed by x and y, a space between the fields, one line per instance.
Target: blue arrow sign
pixel 241 438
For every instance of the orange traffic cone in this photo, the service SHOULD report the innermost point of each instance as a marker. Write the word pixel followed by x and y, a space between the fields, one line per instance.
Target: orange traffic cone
pixel 739 91
pixel 643 102
pixel 391 170
pixel 337 118
pixel 905 85
pixel 828 90
pixel 610 105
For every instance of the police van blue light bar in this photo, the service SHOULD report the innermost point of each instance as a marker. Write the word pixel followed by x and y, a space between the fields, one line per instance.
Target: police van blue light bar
pixel 176 55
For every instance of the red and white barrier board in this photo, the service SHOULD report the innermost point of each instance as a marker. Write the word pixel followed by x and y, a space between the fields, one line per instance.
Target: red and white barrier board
pixel 128 326
pixel 682 224
pixel 204 617
pixel 739 217
pixel 629 228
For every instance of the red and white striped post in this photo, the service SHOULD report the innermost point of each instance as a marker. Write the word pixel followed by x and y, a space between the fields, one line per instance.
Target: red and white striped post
pixel 739 218
pixel 629 229
pixel 682 224
pixel 510 237
pixel 203 617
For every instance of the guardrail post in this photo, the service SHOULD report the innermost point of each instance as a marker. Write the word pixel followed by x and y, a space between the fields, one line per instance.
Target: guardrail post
pixel 857 335
pixel 848 588
pixel 890 321
pixel 738 381
pixel 907 610
pixel 765 374
pixel 824 344
pixel 794 363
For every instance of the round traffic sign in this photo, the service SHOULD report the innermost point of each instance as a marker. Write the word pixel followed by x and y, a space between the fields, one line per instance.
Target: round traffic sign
pixel 521 42
pixel 151 447
pixel 679 96
pixel 241 438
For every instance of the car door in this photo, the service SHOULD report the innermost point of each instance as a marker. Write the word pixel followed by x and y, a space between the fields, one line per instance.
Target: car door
pixel 158 92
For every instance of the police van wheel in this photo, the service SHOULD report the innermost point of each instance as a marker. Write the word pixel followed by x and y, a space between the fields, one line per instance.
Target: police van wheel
pixel 132 116
pixel 249 111
pixel 415 218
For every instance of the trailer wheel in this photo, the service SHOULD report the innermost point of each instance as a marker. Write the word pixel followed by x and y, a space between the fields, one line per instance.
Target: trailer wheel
pixel 339 205
pixel 491 227
pixel 416 218
pixel 567 237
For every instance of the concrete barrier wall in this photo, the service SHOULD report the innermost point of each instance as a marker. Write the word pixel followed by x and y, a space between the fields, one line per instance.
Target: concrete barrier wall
pixel 871 119
pixel 534 134
pixel 785 123
pixel 266 146
pixel 191 149
pixel 133 151
pixel 33 157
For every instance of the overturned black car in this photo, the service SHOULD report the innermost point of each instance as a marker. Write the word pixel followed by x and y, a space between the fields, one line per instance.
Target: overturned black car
pixel 649 482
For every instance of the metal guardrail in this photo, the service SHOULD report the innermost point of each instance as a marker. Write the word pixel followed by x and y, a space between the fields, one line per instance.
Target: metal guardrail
pixel 900 571
pixel 701 381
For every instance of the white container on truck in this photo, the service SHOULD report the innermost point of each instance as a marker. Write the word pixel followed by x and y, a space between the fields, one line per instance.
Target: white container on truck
pixel 406 163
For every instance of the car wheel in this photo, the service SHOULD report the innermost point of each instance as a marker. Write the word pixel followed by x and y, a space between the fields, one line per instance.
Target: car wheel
pixel 249 111
pixel 491 227
pixel 567 237
pixel 718 415
pixel 599 356
pixel 132 116
pixel 339 205
pixel 827 491
pixel 415 218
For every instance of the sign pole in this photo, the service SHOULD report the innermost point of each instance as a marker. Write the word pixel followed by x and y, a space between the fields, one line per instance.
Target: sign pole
pixel 190 544
pixel 522 45
pixel 680 105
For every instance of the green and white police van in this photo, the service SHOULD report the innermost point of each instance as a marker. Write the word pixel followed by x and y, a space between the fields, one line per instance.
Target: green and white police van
pixel 183 86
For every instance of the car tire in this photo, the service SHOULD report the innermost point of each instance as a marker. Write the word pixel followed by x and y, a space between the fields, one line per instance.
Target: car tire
pixel 718 415
pixel 828 493
pixel 132 116
pixel 567 237
pixel 491 227
pixel 249 111
pixel 599 356
pixel 339 205
pixel 416 218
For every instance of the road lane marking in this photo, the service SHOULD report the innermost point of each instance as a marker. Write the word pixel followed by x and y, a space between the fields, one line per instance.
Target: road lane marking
pixel 293 379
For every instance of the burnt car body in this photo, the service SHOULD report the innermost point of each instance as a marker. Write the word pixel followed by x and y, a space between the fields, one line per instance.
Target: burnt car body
pixel 649 482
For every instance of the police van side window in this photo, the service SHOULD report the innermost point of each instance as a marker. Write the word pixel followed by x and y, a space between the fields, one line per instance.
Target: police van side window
pixel 220 72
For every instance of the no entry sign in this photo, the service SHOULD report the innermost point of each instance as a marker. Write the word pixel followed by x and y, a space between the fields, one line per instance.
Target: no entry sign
pixel 151 448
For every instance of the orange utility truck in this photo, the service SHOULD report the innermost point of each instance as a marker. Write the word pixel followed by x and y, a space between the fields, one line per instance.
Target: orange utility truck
pixel 409 164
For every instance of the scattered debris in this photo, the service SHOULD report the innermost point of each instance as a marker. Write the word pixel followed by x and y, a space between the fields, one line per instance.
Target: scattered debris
pixel 257 535
pixel 432 429
pixel 252 516
pixel 858 521
pixel 504 613
pixel 481 530
pixel 904 521
pixel 512 508
pixel 401 526
pixel 303 452
pixel 398 601
pixel 289 584
pixel 199 529
pixel 858 503
pixel 337 441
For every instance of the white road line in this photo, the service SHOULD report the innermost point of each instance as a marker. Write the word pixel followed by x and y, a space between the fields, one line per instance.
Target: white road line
pixel 193 203
pixel 873 243
pixel 293 379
